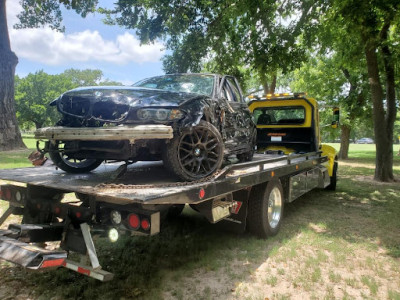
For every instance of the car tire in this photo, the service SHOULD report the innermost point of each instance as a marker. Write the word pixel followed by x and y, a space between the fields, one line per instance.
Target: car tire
pixel 71 165
pixel 333 178
pixel 265 212
pixel 195 153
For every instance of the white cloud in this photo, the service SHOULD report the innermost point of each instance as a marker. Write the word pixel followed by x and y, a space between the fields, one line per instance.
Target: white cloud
pixel 51 47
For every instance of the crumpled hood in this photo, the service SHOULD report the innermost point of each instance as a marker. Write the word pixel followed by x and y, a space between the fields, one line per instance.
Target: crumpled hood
pixel 132 96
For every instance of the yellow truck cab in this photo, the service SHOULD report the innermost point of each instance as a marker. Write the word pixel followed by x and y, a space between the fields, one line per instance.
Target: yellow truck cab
pixel 289 124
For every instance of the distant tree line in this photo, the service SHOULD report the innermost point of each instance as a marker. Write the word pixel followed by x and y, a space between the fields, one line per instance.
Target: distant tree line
pixel 34 92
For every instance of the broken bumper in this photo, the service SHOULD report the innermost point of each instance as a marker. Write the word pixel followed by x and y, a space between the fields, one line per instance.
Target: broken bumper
pixel 131 133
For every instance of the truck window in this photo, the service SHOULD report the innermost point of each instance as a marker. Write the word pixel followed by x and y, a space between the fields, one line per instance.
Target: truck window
pixel 279 115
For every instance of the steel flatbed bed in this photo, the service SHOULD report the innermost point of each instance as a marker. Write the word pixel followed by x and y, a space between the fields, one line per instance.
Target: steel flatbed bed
pixel 150 183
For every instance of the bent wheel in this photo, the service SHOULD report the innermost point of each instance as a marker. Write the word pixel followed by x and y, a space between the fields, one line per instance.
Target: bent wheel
pixel 68 164
pixel 266 209
pixel 196 153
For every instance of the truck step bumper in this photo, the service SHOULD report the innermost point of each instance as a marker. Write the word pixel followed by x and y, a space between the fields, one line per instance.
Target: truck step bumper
pixel 27 255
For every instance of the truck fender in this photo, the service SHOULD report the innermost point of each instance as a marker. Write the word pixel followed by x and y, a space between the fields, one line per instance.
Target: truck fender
pixel 331 153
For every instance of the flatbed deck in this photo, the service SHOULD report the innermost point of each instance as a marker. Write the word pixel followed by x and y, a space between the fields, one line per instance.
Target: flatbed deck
pixel 150 183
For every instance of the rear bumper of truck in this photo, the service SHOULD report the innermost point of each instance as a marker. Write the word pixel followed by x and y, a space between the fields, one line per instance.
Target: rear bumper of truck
pixel 131 133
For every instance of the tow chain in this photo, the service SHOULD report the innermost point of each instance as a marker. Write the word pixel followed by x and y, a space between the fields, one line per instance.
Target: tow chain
pixel 163 185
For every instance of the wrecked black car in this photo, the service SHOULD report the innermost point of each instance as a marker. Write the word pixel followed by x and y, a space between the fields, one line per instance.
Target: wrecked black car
pixel 190 121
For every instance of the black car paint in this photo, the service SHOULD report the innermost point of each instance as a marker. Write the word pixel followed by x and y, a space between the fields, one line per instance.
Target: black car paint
pixel 232 119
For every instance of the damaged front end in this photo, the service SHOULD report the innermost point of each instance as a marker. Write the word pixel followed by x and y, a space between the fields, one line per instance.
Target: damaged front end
pixel 115 123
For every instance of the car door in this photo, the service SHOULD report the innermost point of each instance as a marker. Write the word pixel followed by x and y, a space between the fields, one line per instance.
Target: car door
pixel 237 115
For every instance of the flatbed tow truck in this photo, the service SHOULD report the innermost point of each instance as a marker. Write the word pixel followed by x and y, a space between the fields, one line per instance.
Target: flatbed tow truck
pixel 119 199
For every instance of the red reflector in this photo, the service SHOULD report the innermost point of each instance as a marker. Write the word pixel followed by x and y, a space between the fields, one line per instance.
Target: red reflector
pixel 53 263
pixel 83 271
pixel 145 224
pixel 78 214
pixel 202 193
pixel 57 210
pixel 7 194
pixel 236 207
pixel 134 221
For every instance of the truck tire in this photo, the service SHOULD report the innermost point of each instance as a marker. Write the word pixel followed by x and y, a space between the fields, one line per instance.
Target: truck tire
pixel 196 153
pixel 265 212
pixel 333 178
pixel 69 165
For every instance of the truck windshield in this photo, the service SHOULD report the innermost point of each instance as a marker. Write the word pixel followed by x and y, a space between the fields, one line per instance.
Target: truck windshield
pixel 286 115
pixel 187 83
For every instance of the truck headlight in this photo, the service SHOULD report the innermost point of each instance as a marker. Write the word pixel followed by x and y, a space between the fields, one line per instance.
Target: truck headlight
pixel 159 114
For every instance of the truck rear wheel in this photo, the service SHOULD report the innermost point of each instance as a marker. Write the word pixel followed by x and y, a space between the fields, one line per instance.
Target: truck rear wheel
pixel 266 209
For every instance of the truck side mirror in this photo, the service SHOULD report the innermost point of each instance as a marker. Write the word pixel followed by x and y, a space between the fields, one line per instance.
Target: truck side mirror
pixel 336 115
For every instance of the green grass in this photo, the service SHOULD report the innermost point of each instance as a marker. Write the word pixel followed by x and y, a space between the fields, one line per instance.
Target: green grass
pixel 342 244
pixel 18 158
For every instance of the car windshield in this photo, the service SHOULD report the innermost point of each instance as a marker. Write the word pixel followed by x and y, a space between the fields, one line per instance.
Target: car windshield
pixel 188 83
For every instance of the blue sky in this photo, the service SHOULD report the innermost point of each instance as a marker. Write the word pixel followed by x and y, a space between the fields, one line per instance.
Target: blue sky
pixel 86 44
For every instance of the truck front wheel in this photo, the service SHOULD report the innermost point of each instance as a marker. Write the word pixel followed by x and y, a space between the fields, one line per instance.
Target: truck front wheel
pixel 266 209
pixel 333 178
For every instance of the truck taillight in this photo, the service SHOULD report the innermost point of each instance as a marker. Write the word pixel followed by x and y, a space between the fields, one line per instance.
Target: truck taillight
pixel 13 193
pixel 145 224
pixel 7 194
pixel 134 221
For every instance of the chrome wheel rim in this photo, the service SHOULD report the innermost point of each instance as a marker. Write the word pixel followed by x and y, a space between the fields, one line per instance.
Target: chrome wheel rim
pixel 274 207
pixel 199 152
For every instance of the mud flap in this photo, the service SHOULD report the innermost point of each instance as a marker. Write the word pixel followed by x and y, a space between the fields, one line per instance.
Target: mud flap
pixel 236 222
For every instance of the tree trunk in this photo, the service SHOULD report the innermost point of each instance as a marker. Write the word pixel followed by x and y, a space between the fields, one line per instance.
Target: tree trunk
pixel 391 108
pixel 269 88
pixel 38 125
pixel 10 136
pixel 384 146
pixel 344 142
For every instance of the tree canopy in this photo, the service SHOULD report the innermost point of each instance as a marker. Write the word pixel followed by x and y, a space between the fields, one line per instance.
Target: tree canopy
pixel 257 34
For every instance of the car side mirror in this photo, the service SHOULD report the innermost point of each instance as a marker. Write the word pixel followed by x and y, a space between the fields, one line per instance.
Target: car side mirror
pixel 336 116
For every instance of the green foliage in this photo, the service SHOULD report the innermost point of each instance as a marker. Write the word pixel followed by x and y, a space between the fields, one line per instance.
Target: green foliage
pixel 38 13
pixel 325 78
pixel 34 93
pixel 255 34
pixel 83 77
